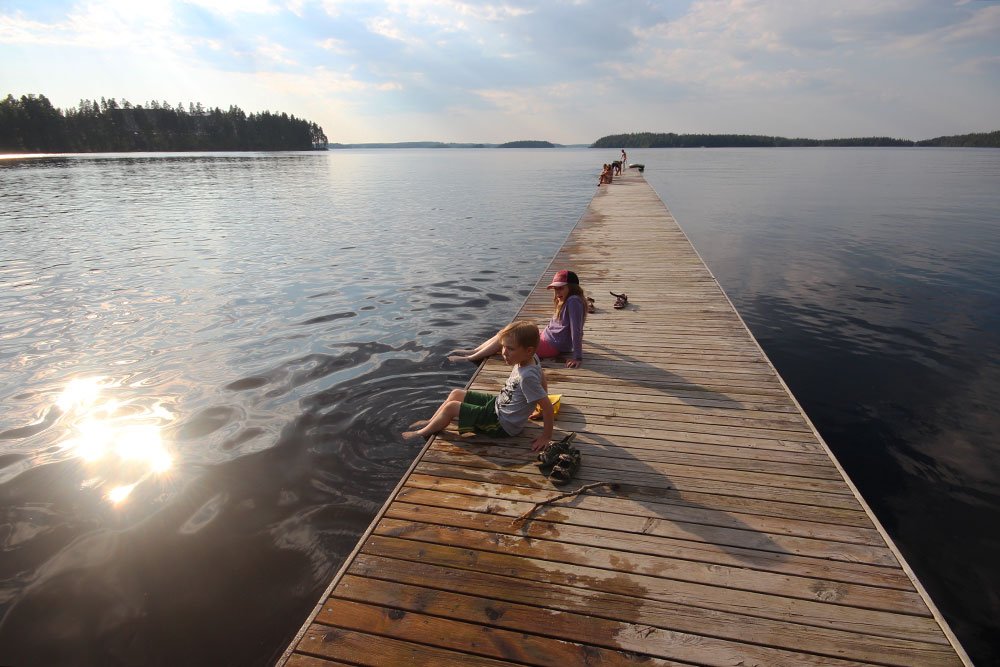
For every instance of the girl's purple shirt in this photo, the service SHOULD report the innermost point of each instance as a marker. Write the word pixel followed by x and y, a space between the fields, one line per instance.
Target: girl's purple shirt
pixel 566 333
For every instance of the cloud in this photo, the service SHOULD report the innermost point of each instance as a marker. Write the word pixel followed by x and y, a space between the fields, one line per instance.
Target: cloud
pixel 96 25
pixel 741 47
pixel 983 24
pixel 975 66
pixel 536 101
pixel 273 52
pixel 321 81
pixel 453 15
pixel 338 46
pixel 234 7
pixel 386 27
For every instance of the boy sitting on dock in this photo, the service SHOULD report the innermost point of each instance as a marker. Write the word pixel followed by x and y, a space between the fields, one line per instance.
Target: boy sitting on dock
pixel 506 414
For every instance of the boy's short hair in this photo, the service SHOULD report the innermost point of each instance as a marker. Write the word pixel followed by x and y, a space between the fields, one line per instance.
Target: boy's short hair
pixel 524 333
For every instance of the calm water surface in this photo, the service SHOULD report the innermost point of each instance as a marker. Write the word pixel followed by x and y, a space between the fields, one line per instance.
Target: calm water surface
pixel 205 360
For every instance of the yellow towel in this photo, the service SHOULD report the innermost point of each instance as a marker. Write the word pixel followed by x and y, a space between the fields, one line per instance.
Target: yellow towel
pixel 556 400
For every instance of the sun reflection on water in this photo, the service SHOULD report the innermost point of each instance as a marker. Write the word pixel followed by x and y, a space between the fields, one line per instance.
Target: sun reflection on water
pixel 122 447
pixel 80 393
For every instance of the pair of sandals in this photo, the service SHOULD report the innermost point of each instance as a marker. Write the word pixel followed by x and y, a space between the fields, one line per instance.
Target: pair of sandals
pixel 559 460
pixel 621 300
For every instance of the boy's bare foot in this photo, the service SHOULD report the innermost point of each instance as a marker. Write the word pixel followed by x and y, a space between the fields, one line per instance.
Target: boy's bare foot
pixel 420 423
pixel 411 435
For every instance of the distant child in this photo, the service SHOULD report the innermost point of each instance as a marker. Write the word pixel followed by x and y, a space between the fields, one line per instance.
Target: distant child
pixel 506 414
pixel 605 175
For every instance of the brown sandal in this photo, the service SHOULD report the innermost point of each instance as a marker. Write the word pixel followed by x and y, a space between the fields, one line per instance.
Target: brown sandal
pixel 566 466
pixel 621 300
pixel 552 451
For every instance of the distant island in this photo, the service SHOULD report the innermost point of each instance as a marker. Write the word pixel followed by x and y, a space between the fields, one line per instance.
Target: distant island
pixel 527 144
pixel 408 144
pixel 974 140
pixel 31 124
pixel 440 144
pixel 671 140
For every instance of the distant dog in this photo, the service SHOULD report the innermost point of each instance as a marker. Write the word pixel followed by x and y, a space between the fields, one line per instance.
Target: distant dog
pixel 616 168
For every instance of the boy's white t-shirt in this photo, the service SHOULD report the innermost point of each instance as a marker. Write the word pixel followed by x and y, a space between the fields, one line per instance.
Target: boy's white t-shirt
pixel 517 399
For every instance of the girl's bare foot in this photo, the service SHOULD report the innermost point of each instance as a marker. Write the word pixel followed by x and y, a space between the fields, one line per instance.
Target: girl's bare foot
pixel 412 435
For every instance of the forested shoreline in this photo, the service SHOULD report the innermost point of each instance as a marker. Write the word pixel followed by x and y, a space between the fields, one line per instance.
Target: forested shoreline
pixel 31 124
pixel 527 143
pixel 671 140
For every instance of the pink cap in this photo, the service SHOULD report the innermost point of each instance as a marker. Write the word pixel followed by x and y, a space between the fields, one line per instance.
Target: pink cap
pixel 563 277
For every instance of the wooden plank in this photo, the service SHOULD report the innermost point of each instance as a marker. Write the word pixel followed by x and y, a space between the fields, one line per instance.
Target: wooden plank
pixel 628 446
pixel 876 623
pixel 633 503
pixel 497 595
pixel 361 648
pixel 691 454
pixel 661 438
pixel 302 660
pixel 658 538
pixel 636 469
pixel 730 535
pixel 705 576
pixel 488 641
pixel 747 532
pixel 628 643
pixel 639 484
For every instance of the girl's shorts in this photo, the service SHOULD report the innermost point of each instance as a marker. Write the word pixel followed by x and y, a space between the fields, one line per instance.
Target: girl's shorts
pixel 546 350
pixel 479 413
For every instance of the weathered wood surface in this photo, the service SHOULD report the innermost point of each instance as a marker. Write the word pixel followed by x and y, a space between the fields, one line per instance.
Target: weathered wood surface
pixel 732 537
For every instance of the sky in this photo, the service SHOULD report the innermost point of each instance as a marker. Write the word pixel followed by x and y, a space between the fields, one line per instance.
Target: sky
pixel 567 71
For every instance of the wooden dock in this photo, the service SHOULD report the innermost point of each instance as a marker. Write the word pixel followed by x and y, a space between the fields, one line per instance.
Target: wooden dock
pixel 733 537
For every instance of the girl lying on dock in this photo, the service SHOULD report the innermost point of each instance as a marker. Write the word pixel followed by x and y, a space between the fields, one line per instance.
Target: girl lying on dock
pixel 562 335
pixel 506 414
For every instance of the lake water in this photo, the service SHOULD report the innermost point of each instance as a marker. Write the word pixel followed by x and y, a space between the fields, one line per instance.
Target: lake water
pixel 205 361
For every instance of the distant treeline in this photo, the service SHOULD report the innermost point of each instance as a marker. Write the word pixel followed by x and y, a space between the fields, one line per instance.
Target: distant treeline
pixel 439 144
pixel 410 144
pixel 975 140
pixel 527 143
pixel 32 124
pixel 671 140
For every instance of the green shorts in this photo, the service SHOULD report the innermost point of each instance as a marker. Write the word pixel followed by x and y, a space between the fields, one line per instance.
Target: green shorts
pixel 479 413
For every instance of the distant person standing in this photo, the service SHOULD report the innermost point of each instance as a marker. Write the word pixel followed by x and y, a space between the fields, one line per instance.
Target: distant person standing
pixel 624 160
